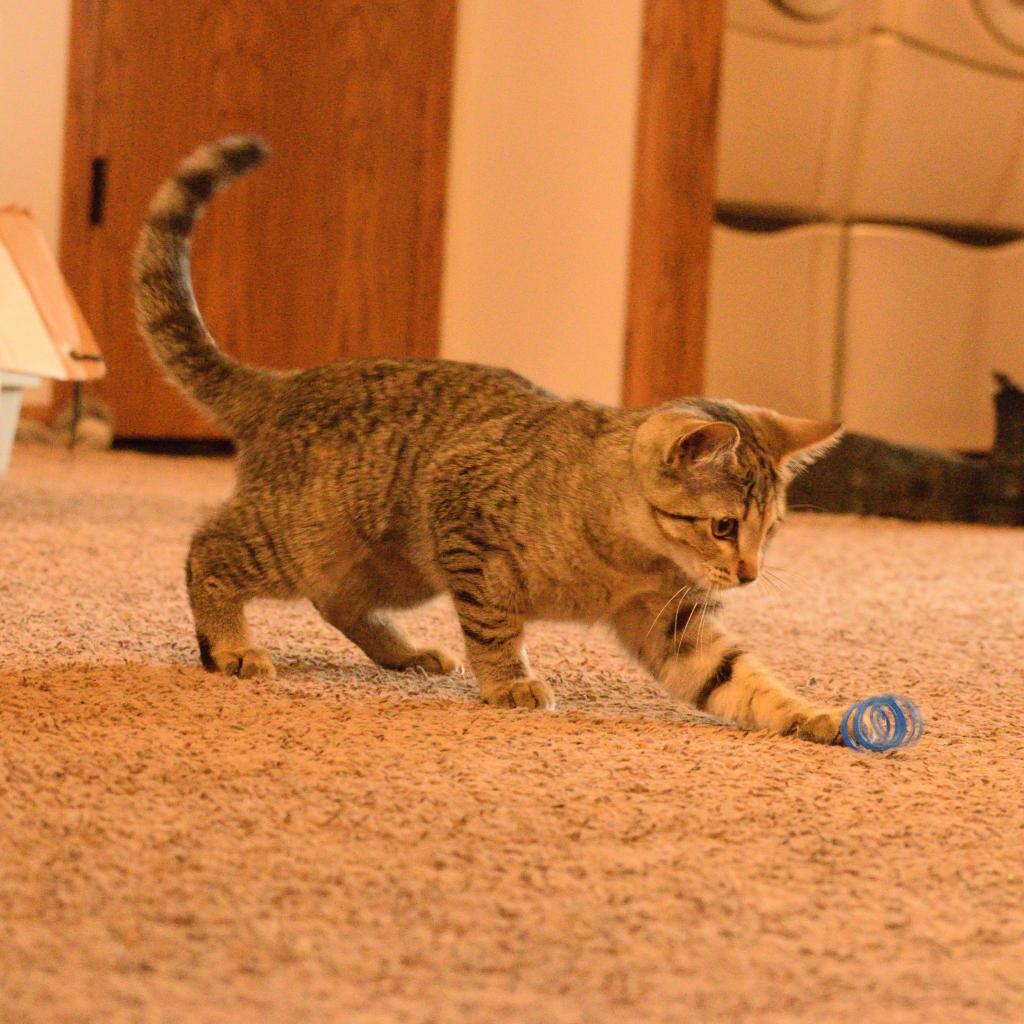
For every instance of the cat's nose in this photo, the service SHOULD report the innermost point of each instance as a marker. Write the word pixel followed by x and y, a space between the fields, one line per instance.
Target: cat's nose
pixel 746 573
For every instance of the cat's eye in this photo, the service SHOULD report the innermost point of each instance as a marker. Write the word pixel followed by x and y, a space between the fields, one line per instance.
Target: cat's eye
pixel 724 529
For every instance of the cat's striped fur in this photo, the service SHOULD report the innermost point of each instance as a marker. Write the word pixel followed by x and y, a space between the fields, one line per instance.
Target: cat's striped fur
pixel 375 484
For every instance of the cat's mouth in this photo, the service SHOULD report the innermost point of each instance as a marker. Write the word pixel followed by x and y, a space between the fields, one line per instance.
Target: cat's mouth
pixel 720 579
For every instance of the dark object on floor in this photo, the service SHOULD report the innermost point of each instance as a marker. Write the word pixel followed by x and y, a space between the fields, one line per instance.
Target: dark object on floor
pixel 870 476
pixel 177 446
pixel 85 421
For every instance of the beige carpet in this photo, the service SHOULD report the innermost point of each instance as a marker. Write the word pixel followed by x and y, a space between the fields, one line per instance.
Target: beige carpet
pixel 347 844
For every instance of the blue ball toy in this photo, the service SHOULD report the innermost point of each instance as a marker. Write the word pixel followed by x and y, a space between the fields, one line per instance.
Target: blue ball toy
pixel 882 723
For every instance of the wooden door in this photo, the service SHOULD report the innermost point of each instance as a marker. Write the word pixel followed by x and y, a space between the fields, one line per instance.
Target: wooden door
pixel 331 250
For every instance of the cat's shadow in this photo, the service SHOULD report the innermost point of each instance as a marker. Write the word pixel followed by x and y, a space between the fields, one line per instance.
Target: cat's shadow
pixel 576 693
pixel 73 690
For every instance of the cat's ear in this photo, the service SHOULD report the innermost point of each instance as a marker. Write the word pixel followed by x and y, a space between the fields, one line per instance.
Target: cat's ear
pixel 677 441
pixel 702 443
pixel 798 442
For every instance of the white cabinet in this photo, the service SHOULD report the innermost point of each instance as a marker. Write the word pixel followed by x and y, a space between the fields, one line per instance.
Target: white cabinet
pixel 867 116
pixel 895 330
pixel 939 120
pixel 786 87
pixel 773 318
pixel 927 321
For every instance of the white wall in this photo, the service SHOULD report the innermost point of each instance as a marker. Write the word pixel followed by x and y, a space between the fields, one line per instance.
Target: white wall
pixel 34 37
pixel 540 188
pixel 33 85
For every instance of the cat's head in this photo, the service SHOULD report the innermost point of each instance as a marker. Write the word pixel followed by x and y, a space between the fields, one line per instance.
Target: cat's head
pixel 713 478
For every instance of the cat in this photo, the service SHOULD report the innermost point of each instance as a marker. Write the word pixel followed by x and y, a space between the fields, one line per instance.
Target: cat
pixel 375 484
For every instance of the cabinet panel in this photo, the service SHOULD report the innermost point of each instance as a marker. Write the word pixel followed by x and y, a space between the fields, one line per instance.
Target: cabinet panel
pixel 938 142
pixel 927 322
pixel 774 317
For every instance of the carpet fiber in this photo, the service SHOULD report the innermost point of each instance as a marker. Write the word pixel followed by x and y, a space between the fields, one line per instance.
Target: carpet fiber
pixel 349 844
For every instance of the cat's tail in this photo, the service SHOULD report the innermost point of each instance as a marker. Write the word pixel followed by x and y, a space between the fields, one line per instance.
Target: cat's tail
pixel 165 304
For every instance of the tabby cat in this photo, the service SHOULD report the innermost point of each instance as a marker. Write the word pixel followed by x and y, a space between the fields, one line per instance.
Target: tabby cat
pixel 375 484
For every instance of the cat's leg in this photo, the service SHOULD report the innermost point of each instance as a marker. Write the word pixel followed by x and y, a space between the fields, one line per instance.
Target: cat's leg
pixel 495 650
pixel 356 608
pixel 697 663
pixel 484 589
pixel 227 567
pixel 374 632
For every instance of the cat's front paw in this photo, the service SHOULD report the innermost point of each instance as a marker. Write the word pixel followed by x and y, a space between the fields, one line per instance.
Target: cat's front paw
pixel 433 661
pixel 821 725
pixel 520 693
pixel 244 662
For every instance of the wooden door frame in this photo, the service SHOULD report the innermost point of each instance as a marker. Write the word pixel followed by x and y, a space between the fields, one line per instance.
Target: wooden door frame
pixel 84 35
pixel 673 201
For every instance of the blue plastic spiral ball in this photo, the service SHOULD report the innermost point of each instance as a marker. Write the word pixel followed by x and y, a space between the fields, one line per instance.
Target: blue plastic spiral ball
pixel 882 723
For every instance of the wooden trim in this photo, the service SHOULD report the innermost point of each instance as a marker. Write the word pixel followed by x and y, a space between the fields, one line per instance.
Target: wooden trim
pixel 79 146
pixel 673 200
pixel 79 123
pixel 432 211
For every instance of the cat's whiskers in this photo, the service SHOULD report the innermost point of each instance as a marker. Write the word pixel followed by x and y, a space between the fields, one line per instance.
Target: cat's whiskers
pixel 777 574
pixel 654 621
pixel 676 639
pixel 686 626
pixel 703 617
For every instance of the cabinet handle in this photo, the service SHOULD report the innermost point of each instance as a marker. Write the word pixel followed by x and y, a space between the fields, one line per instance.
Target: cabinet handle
pixel 98 195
